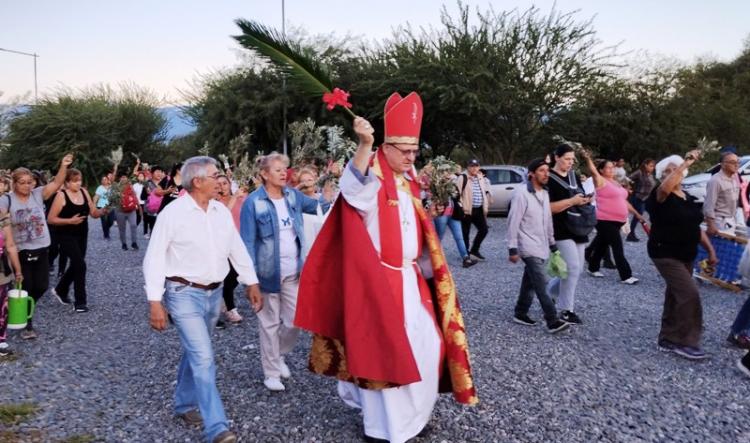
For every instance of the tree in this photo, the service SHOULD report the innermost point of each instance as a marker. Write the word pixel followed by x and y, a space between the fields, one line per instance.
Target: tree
pixel 90 123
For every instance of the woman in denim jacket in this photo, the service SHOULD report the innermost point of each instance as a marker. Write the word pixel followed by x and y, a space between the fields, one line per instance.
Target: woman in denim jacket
pixel 271 227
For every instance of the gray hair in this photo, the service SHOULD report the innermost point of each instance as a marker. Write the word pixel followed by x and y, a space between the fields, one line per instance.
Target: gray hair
pixel 195 167
pixel 264 163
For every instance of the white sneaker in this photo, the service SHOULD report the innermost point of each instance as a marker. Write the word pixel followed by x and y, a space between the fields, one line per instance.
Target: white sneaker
pixel 285 372
pixel 146 236
pixel 273 384
pixel 595 274
pixel 631 281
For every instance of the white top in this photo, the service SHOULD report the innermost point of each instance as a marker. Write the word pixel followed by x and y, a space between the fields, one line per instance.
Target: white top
pixel 138 189
pixel 194 244
pixel 288 249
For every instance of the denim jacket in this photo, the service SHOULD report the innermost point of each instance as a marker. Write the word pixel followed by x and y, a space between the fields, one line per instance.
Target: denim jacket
pixel 259 229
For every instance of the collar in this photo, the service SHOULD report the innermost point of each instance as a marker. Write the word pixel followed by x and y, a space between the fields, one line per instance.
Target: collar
pixel 530 187
pixel 263 194
pixel 213 205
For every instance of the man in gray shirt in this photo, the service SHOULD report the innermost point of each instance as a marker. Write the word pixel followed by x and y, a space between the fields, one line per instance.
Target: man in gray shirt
pixel 722 194
pixel 531 238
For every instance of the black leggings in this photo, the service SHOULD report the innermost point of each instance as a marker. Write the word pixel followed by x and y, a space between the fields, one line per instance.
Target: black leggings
pixel 35 269
pixel 148 223
pixel 479 220
pixel 608 235
pixel 55 252
pixel 74 246
pixel 230 284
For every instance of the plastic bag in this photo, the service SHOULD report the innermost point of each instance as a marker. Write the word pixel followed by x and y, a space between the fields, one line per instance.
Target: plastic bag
pixel 556 266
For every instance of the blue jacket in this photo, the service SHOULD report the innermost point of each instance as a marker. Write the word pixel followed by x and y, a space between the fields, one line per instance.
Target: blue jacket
pixel 259 229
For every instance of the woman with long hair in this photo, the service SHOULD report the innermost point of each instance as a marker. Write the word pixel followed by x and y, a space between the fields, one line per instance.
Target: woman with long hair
pixel 30 231
pixel 565 192
pixel 644 182
pixel 233 202
pixel 612 208
pixel 70 211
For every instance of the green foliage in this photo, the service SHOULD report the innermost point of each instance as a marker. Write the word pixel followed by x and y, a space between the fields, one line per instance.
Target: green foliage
pixel 16 412
pixel 91 124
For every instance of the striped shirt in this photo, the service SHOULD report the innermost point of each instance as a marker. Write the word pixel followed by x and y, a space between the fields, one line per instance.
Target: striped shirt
pixel 476 193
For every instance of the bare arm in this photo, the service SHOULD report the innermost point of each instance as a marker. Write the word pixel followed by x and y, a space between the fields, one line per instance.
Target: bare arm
pixel 598 179
pixel 706 242
pixel 561 205
pixel 59 181
pixel 95 213
pixel 667 186
pixel 12 250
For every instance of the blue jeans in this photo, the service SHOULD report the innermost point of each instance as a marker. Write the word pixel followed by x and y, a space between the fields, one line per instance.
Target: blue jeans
pixel 535 281
pixel 195 312
pixel 640 206
pixel 742 322
pixel 455 225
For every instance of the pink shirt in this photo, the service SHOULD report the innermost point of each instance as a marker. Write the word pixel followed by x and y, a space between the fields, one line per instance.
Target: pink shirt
pixel 236 209
pixel 612 202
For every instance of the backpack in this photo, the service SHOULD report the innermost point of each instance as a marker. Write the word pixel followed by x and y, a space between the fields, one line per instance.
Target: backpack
pixel 129 202
pixel 458 209
pixel 580 220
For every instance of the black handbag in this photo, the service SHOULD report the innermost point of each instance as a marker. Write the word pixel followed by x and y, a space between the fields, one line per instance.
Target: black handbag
pixel 580 220
pixel 458 209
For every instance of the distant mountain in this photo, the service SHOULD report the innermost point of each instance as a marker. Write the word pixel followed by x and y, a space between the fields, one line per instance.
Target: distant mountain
pixel 178 124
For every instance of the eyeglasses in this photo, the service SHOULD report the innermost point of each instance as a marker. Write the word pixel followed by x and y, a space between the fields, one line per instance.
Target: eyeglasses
pixel 406 152
pixel 735 162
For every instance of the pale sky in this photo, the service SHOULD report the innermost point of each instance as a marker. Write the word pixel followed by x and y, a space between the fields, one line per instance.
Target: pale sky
pixel 163 44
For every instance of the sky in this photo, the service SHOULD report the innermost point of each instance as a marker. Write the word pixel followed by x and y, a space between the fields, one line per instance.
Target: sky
pixel 164 44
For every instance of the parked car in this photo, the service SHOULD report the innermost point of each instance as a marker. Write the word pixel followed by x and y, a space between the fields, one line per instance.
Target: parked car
pixel 695 185
pixel 504 179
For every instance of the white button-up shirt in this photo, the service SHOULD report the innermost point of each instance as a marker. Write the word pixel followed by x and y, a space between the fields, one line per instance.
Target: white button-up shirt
pixel 194 244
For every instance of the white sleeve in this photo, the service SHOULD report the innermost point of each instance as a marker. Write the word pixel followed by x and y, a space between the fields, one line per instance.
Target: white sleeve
pixel 155 261
pixel 241 260
pixel 360 191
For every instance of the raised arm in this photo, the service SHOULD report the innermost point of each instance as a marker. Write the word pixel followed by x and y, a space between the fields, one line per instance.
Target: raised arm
pixel 364 131
pixel 667 186
pixel 55 185
pixel 598 179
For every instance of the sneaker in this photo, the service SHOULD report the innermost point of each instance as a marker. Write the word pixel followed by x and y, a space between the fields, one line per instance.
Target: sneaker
pixel 665 346
pixel 193 417
pixel 134 245
pixel 740 341
pixel 595 274
pixel 233 316
pixel 285 372
pixel 523 319
pixel 468 262
pixel 28 334
pixel 5 350
pixel 477 256
pixel 124 247
pixel 690 352
pixel 221 325
pixel 556 326
pixel 743 364
pixel 570 317
pixel 225 437
pixel 630 281
pixel 273 384
pixel 632 238
pixel 147 236
pixel 82 309
pixel 64 300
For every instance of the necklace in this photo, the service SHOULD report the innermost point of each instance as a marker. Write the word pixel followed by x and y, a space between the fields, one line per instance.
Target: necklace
pixel 402 185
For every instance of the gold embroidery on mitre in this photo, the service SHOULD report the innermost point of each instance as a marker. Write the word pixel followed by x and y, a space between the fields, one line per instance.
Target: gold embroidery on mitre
pixel 402 139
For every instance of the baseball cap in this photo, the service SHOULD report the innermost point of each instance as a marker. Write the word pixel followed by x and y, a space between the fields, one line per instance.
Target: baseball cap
pixel 472 162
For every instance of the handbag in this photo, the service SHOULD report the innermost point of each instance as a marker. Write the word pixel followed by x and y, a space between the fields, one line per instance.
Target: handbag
pixel 580 220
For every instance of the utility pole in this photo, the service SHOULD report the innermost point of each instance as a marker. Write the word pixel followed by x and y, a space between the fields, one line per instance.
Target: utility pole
pixel 283 77
pixel 36 94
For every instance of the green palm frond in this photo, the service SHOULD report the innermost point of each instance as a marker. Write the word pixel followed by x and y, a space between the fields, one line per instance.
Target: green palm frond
pixel 305 72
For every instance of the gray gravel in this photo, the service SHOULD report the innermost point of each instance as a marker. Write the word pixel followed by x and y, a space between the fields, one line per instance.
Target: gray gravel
pixel 106 374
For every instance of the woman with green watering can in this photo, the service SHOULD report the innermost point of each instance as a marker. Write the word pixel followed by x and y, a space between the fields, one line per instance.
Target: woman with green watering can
pixel 8 257
pixel 29 224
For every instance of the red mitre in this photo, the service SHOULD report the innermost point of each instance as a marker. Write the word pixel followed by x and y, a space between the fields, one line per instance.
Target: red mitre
pixel 403 118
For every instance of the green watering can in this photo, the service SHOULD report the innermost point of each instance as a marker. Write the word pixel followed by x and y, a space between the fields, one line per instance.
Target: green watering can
pixel 18 308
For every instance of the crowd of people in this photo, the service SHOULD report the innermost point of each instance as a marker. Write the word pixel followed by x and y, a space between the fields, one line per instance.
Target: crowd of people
pixel 372 223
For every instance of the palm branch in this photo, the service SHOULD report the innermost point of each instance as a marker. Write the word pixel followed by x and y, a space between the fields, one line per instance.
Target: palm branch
pixel 309 75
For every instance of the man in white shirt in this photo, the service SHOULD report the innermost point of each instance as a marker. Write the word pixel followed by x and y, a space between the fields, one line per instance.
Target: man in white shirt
pixel 191 242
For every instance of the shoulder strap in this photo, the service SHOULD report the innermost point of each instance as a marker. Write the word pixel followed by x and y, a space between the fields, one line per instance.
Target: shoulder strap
pixel 9 200
pixel 466 182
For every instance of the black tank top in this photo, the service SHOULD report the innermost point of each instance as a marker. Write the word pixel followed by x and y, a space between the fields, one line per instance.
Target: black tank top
pixel 71 210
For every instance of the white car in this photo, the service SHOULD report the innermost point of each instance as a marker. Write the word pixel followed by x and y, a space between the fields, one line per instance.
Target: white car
pixel 695 185
pixel 504 179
